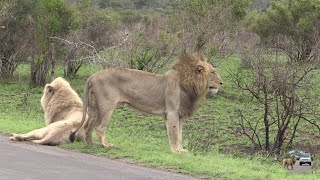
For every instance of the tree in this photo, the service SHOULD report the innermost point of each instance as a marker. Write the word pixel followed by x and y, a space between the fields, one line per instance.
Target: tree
pixel 152 46
pixel 206 24
pixel 49 18
pixel 289 35
pixel 282 93
pixel 96 28
pixel 14 25
pixel 297 20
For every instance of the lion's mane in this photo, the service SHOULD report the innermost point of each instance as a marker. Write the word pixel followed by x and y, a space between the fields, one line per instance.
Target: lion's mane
pixel 63 101
pixel 194 86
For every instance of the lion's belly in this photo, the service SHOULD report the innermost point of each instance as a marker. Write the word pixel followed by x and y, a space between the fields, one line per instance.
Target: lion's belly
pixel 148 97
pixel 146 104
pixel 148 110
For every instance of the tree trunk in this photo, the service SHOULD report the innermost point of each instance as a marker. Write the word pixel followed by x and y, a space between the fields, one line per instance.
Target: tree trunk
pixel 7 63
pixel 266 125
pixel 71 66
pixel 294 131
pixel 6 67
pixel 53 61
pixel 266 120
pixel 9 51
pixel 38 71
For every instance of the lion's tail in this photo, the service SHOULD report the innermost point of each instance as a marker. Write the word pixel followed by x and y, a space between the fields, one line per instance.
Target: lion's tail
pixel 72 136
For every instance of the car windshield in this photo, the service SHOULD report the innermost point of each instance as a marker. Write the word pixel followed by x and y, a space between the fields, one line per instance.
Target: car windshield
pixel 305 155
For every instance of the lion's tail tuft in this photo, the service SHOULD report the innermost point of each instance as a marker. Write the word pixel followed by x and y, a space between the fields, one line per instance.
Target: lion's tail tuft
pixel 72 136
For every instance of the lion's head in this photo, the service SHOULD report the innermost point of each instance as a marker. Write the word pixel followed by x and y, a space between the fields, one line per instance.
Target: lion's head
pixel 197 75
pixel 58 100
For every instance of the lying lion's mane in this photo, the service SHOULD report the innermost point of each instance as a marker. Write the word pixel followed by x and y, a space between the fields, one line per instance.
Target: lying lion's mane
pixel 64 99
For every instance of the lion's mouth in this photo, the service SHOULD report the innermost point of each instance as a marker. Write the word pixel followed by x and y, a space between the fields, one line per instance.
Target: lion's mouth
pixel 213 89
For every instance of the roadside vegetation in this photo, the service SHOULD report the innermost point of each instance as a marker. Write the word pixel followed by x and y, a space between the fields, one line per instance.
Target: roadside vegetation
pixel 268 104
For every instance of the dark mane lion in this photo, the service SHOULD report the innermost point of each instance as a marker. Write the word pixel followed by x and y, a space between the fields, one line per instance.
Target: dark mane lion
pixel 289 162
pixel 173 95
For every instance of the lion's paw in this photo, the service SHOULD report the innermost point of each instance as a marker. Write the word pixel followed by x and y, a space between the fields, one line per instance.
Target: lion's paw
pixel 15 137
pixel 107 145
pixel 182 150
pixel 179 150
pixel 11 138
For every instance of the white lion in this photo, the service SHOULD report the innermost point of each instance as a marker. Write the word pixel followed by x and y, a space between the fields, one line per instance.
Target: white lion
pixel 62 113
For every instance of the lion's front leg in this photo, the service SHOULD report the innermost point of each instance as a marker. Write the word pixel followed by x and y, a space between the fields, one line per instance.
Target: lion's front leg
pixel 174 132
pixel 181 149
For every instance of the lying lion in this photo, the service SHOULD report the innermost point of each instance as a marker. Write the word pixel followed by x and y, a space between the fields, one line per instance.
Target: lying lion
pixel 173 95
pixel 62 112
pixel 289 162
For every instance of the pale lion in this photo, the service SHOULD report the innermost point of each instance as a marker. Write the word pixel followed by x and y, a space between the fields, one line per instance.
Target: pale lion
pixel 173 95
pixel 62 113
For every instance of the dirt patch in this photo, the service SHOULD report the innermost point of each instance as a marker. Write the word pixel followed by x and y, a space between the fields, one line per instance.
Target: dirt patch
pixel 301 169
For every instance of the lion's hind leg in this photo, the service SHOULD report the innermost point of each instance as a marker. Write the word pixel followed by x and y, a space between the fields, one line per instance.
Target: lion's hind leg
pixel 100 111
pixel 32 135
pixel 284 163
pixel 55 134
pixel 103 121
pixel 48 140
pixel 89 125
pixel 91 122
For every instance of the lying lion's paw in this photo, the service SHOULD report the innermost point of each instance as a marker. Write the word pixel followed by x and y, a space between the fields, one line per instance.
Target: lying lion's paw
pixel 12 138
pixel 15 137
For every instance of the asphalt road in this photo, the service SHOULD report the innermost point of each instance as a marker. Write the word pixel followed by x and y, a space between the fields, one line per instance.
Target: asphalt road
pixel 25 161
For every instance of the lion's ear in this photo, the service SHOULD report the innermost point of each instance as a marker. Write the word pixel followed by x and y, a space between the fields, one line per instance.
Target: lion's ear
pixel 200 69
pixel 49 89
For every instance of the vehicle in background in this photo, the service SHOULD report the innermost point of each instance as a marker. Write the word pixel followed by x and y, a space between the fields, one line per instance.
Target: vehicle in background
pixel 295 153
pixel 305 158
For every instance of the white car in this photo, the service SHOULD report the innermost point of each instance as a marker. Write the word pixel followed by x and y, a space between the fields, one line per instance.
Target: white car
pixel 305 158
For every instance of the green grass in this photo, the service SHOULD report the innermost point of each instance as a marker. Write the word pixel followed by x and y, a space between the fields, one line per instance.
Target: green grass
pixel 142 139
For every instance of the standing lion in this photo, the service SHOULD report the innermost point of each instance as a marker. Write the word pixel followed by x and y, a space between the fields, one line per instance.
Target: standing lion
pixel 173 95
pixel 62 113
pixel 289 162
